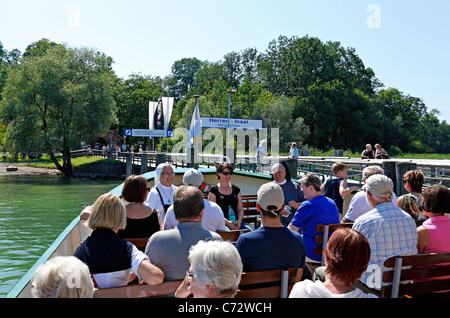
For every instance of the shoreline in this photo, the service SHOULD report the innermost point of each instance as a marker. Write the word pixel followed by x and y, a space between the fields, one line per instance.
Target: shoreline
pixel 25 170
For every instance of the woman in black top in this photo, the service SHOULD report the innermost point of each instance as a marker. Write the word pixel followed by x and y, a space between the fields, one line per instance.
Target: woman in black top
pixel 226 194
pixel 142 221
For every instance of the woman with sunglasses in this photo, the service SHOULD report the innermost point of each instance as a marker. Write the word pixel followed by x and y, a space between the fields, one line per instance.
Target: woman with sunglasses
pixel 228 195
pixel 142 221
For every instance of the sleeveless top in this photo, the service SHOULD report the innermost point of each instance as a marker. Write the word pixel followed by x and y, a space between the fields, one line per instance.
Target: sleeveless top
pixel 332 191
pixel 225 200
pixel 439 229
pixel 140 228
pixel 368 154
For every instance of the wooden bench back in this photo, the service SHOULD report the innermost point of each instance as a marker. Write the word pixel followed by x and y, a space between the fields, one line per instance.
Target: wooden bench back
pixel 252 285
pixel 322 239
pixel 420 266
pixel 140 243
pixel 232 235
pixel 266 284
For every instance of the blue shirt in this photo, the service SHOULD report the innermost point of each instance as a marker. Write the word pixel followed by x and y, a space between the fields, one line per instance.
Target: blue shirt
pixel 319 210
pixel 269 248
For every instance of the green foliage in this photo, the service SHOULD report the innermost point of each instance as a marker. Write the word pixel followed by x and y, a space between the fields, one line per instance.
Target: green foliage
pixel 54 100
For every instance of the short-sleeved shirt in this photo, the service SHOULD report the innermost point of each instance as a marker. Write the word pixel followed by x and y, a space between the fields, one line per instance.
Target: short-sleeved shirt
pixel 390 232
pixel 269 248
pixel 319 210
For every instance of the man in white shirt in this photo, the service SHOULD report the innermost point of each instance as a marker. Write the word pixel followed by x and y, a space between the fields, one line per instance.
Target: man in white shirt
pixel 359 205
pixel 213 218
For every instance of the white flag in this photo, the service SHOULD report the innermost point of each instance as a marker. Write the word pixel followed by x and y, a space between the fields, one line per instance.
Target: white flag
pixel 196 126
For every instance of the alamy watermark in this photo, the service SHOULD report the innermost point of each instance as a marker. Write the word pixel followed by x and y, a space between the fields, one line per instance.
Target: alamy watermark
pixel 74 18
pixel 374 19
pixel 247 142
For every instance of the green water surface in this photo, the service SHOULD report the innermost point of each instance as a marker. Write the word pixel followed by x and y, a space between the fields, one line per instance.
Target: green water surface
pixel 34 210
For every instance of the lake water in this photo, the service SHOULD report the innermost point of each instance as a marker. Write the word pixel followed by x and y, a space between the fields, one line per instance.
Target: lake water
pixel 34 210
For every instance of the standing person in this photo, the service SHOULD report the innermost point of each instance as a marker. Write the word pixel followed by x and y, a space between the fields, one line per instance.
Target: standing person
pixel 389 230
pixel 228 195
pixel 213 218
pixel 161 195
pixel 215 271
pixel 142 221
pixel 293 153
pixel 336 188
pixel 261 250
pixel 413 181
pixel 380 153
pixel 112 260
pixel 347 255
pixel 261 154
pixel 317 209
pixel 293 195
pixel 368 153
pixel 169 249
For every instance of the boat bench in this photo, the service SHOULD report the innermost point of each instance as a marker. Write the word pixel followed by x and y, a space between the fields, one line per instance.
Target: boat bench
pixel 401 270
pixel 327 229
pixel 263 284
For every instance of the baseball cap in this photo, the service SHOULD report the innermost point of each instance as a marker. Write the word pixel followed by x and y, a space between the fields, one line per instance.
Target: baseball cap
pixel 193 177
pixel 379 185
pixel 270 197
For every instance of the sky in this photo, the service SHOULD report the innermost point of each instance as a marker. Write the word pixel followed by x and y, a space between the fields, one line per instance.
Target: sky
pixel 406 43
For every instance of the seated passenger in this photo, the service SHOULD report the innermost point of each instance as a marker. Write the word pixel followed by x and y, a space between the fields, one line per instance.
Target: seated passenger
pixel 169 249
pixel 228 196
pixel 112 260
pixel 62 277
pixel 212 220
pixel 293 195
pixel 271 246
pixel 215 271
pixel 347 255
pixel 142 221
pixel 434 233
pixel 318 209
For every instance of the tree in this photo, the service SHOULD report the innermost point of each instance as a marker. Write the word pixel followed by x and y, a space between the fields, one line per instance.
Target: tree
pixel 54 101
pixel 183 76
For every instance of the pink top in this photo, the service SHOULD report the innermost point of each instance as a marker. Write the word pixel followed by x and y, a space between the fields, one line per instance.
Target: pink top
pixel 439 229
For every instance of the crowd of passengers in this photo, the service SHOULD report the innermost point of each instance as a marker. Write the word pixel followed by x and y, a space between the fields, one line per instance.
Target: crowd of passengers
pixel 184 242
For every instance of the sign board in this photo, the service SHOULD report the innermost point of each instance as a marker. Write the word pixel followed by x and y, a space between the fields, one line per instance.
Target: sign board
pixel 235 123
pixel 170 133
pixel 145 133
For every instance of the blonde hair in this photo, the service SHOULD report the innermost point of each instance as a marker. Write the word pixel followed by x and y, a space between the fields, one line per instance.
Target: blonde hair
pixel 108 212
pixel 338 166
pixel 62 277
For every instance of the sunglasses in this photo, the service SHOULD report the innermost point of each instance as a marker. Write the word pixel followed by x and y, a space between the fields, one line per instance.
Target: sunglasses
pixel 227 173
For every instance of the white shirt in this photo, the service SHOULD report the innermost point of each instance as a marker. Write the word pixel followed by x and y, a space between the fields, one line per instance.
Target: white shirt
pixel 316 289
pixel 154 201
pixel 359 206
pixel 213 218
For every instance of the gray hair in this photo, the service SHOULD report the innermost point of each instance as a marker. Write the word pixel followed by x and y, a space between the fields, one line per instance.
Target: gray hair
pixel 217 263
pixel 276 167
pixel 311 179
pixel 62 277
pixel 371 170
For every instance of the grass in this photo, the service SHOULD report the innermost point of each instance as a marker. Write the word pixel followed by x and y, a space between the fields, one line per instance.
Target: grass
pixel 76 162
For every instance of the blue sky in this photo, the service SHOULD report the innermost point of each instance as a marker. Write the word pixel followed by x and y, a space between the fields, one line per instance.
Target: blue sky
pixel 406 43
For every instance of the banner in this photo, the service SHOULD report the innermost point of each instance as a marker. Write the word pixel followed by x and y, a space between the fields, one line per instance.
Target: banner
pixel 163 108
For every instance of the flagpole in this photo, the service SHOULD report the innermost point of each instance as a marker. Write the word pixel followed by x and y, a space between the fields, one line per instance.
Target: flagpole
pixel 196 139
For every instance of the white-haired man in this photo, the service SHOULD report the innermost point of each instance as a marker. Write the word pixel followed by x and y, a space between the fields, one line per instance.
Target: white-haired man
pixel 213 218
pixel 389 230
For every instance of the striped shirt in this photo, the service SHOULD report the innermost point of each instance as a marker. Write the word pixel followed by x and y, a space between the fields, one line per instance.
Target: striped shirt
pixel 390 231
